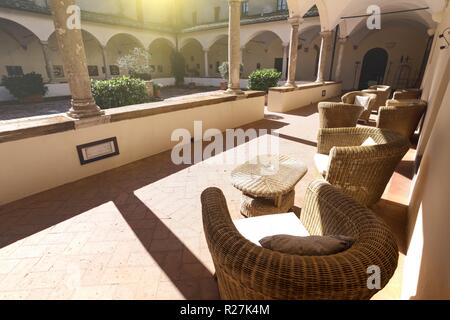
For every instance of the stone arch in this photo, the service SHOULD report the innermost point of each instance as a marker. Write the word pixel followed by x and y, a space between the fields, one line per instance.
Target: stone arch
pixel 257 33
pixel 117 46
pixel 19 44
pixel 193 53
pixel 94 56
pixel 263 50
pixel 161 50
pixel 217 54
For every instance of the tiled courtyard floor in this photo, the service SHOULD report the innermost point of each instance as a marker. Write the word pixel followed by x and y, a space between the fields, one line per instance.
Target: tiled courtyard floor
pixel 134 232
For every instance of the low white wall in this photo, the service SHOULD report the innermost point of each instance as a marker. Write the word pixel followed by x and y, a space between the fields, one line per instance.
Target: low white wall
pixel 33 165
pixel 281 100
pixel 54 90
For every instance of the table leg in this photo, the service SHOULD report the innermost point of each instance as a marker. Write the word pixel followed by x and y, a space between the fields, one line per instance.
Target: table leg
pixel 279 201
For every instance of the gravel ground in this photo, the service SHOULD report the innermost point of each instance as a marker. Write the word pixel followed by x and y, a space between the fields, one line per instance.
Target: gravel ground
pixel 15 111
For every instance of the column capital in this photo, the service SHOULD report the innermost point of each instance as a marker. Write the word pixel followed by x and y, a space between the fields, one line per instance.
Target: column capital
pixel 343 40
pixel 431 31
pixel 285 44
pixel 205 50
pixel 295 21
pixel 326 33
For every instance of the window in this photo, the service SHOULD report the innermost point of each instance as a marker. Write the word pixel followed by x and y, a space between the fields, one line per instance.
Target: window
pixel 282 5
pixel 217 14
pixel 114 70
pixel 245 8
pixel 93 71
pixel 194 18
pixel 14 71
pixel 58 71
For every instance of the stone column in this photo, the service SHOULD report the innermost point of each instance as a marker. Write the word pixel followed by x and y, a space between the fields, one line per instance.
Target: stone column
pixel 71 47
pixel 285 60
pixel 206 51
pixel 342 42
pixel 234 46
pixel 105 62
pixel 293 51
pixel 48 62
pixel 325 50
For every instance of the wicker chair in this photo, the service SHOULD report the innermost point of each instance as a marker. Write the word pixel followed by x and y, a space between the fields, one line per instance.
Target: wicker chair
pixel 383 93
pixel 349 98
pixel 407 94
pixel 339 115
pixel 246 271
pixel 402 119
pixel 361 172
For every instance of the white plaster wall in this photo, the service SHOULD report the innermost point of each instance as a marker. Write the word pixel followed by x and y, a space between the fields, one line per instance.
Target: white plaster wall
pixel 397 41
pixel 286 101
pixel 49 161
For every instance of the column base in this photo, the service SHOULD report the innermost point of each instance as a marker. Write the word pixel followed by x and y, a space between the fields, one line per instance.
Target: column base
pixel 234 91
pixel 84 109
pixel 290 85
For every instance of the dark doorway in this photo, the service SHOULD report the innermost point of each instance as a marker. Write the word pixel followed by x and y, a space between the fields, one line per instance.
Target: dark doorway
pixel 373 68
pixel 278 64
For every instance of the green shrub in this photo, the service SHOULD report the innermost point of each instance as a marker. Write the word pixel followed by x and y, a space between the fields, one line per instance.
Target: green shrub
pixel 119 92
pixel 27 85
pixel 264 79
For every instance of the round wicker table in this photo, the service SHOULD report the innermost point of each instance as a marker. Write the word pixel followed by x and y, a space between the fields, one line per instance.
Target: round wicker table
pixel 268 184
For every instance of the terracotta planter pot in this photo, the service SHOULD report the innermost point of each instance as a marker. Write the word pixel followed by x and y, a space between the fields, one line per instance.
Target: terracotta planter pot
pixel 223 85
pixel 32 99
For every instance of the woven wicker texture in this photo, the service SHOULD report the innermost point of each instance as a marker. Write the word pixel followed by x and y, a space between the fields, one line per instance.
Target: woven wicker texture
pixel 255 207
pixel 256 179
pixel 339 115
pixel 362 172
pixel 407 94
pixel 383 94
pixel 246 271
pixel 349 98
pixel 402 119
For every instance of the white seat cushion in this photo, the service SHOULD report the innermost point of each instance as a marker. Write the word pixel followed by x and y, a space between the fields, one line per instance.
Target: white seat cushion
pixel 322 163
pixel 255 229
pixel 362 101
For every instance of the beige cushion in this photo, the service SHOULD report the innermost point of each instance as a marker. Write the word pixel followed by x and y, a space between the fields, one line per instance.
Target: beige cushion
pixel 362 101
pixel 307 246
pixel 254 229
pixel 322 163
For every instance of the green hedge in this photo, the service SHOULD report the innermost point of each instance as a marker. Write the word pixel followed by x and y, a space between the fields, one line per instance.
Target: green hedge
pixel 264 79
pixel 27 85
pixel 119 92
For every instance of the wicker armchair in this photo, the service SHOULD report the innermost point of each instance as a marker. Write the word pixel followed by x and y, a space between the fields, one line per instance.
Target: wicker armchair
pixel 361 172
pixel 402 119
pixel 383 93
pixel 246 271
pixel 407 94
pixel 349 98
pixel 339 115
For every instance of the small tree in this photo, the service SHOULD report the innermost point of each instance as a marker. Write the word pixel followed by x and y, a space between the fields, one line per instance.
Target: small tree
pixel 264 79
pixel 225 73
pixel 137 61
pixel 178 67
pixel 24 86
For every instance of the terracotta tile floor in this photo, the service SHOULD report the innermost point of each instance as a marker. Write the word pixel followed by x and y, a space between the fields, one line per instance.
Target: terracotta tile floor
pixel 134 232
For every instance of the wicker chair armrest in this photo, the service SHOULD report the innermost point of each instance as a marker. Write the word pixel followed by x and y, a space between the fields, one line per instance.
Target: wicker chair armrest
pixel 246 271
pixel 328 138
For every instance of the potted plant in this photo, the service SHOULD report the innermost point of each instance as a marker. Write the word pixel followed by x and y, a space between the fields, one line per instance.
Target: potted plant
pixel 224 73
pixel 263 80
pixel 157 90
pixel 28 88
